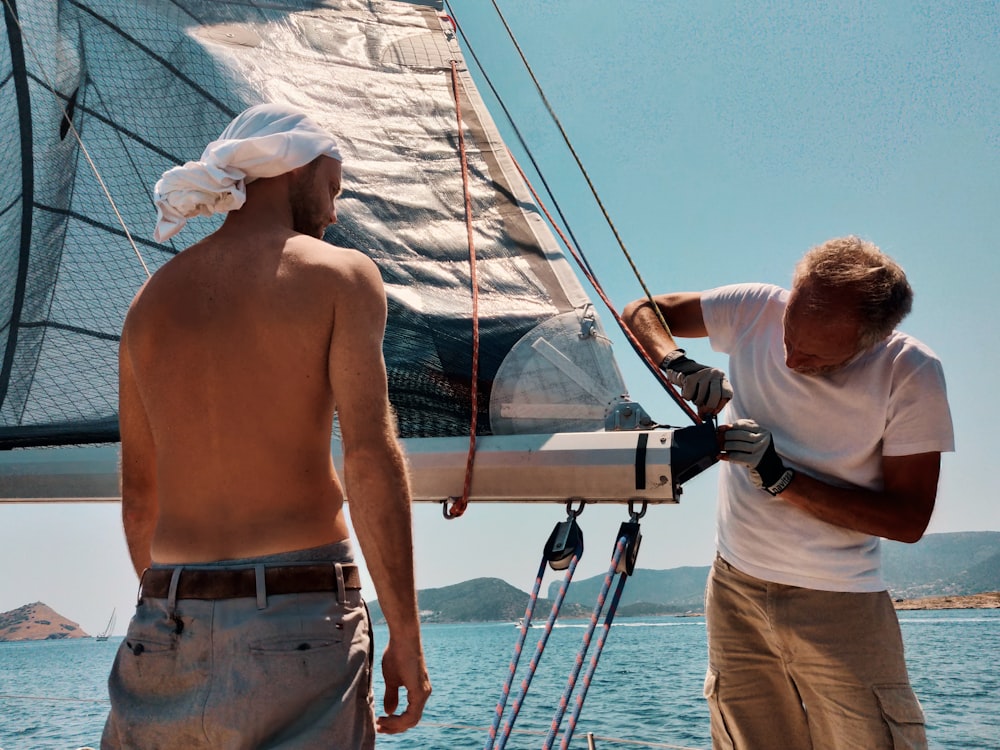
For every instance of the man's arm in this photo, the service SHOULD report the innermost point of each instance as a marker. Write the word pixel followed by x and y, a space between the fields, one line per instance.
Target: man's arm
pixel 682 313
pixel 900 511
pixel 140 506
pixel 376 482
pixel 706 387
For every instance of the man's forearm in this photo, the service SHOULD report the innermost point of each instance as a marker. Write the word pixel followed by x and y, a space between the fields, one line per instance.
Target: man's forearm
pixel 642 320
pixel 379 501
pixel 892 516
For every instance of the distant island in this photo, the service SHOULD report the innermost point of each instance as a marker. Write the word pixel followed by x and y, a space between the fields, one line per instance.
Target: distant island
pixel 987 600
pixel 37 622
pixel 943 571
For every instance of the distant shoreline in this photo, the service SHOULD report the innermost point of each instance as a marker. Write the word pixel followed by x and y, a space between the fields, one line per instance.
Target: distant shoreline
pixel 989 600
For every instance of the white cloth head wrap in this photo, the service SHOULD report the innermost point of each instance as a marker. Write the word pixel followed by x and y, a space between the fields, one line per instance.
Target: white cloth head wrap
pixel 264 141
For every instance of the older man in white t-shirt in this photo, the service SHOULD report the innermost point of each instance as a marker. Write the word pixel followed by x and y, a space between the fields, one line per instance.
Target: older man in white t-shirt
pixel 836 423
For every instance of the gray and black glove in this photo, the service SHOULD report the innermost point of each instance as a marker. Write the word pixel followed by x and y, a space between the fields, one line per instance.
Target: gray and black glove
pixel 747 443
pixel 705 387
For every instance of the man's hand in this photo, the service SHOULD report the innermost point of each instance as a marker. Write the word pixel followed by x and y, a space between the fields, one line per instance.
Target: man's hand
pixel 746 442
pixel 705 387
pixel 403 668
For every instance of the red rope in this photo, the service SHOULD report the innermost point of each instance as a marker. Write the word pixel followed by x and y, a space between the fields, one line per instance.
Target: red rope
pixel 653 366
pixel 460 504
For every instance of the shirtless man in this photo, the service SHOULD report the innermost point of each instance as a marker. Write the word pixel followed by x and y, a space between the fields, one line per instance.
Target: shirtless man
pixel 250 629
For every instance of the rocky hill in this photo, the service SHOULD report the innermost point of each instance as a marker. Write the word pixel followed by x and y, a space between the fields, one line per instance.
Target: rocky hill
pixel 956 564
pixel 478 600
pixel 37 622
pixel 939 565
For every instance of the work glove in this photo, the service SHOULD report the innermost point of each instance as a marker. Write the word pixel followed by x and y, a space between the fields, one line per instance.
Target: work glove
pixel 747 443
pixel 705 387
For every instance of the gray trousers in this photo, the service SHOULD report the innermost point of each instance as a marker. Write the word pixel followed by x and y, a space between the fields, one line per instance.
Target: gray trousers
pixel 230 675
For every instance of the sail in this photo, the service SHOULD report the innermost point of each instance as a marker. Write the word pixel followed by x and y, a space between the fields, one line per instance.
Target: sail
pixel 99 97
pixel 147 85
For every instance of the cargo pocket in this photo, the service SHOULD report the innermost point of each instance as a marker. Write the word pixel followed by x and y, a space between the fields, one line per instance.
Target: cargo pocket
pixel 903 715
pixel 721 739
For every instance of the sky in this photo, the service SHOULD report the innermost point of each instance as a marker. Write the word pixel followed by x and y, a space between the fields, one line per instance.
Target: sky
pixel 725 139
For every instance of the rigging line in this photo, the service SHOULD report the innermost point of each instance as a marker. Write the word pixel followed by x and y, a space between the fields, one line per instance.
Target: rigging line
pixel 579 164
pixel 460 504
pixel 584 646
pixel 592 667
pixel 539 649
pixel 518 647
pixel 520 136
pixel 643 354
pixel 76 135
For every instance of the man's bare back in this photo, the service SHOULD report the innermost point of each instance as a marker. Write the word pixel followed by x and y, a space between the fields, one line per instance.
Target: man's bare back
pixel 244 320
pixel 244 465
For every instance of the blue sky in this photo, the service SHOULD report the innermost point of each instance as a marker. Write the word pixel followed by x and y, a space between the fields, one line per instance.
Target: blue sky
pixel 725 140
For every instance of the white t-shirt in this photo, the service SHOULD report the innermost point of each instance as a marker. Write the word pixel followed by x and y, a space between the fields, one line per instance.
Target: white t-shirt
pixel 890 401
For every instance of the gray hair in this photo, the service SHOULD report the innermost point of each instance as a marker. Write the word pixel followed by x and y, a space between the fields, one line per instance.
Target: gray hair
pixel 852 270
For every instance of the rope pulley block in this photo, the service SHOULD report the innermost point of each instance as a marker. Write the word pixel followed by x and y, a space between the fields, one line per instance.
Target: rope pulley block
pixel 633 538
pixel 565 541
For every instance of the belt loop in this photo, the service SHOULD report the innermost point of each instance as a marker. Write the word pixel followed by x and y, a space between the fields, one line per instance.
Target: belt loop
pixel 341 589
pixel 261 587
pixel 172 591
pixel 138 594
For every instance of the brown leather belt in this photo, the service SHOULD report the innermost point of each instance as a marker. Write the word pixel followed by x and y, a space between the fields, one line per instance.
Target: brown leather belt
pixel 206 583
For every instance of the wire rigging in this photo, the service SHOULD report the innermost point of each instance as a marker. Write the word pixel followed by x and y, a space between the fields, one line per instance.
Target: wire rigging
pixel 576 158
pixel 520 137
pixel 574 246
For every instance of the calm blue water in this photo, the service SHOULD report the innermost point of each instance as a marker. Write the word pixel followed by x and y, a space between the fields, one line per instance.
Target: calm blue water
pixel 647 688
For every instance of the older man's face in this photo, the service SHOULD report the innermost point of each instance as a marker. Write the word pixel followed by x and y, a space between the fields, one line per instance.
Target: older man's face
pixel 818 343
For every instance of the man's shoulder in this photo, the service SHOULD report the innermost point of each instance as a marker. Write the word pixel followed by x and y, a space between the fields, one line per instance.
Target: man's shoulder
pixel 908 352
pixel 744 292
pixel 345 278
pixel 323 253
pixel 748 301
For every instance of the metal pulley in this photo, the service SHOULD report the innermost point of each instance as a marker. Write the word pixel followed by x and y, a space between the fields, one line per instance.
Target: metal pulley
pixel 565 541
pixel 633 538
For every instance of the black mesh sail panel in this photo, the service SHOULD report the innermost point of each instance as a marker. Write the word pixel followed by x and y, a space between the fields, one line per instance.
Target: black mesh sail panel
pixel 99 97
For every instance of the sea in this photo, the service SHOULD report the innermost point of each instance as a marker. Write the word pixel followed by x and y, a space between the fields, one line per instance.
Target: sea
pixel 646 693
